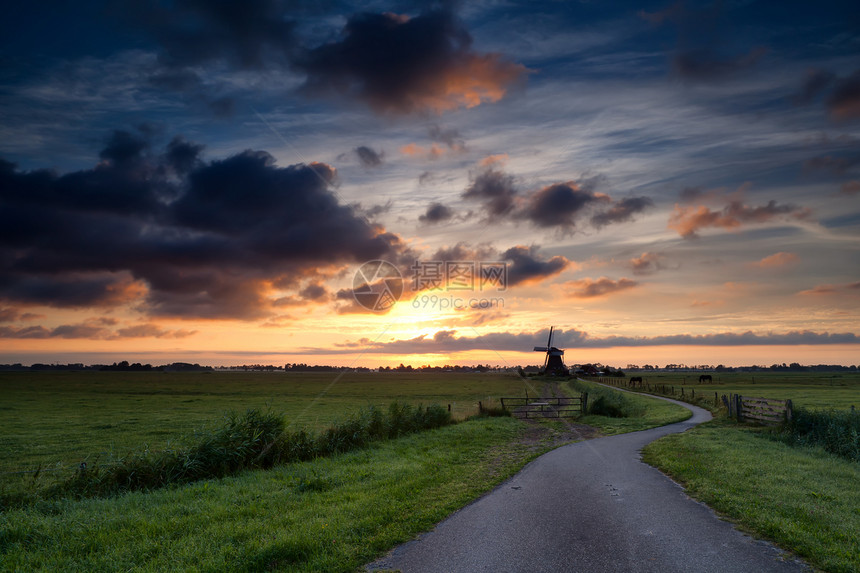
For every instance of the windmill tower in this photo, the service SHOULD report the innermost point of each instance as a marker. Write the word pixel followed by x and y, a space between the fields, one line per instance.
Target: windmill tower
pixel 554 363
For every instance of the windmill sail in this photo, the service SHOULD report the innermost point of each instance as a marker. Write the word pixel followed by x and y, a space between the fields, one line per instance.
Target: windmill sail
pixel 553 363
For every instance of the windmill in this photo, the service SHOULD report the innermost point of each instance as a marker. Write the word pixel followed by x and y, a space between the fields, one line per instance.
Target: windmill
pixel 554 363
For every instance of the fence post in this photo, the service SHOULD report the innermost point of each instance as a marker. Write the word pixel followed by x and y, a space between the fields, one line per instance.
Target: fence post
pixel 716 399
pixel 480 407
pixel 739 407
pixel 583 402
pixel 449 406
pixel 682 391
pixel 789 410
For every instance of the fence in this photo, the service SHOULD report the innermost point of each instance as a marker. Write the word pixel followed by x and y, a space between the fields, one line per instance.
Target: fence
pixel 767 411
pixel 560 407
pixel 686 394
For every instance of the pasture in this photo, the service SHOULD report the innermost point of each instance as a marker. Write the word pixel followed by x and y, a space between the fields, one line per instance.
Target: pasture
pixel 54 419
pixel 816 390
pixel 327 514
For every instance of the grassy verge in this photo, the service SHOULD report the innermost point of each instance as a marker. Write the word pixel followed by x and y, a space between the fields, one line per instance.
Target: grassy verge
pixel 328 514
pixel 253 440
pixel 804 499
pixel 837 432
pixel 637 412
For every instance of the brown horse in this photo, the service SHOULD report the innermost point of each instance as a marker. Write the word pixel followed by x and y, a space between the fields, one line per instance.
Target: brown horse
pixel 636 380
pixel 705 378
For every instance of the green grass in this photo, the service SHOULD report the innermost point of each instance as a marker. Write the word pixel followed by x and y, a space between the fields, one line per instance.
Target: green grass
pixel 59 419
pixel 640 412
pixel 329 514
pixel 816 390
pixel 837 432
pixel 804 499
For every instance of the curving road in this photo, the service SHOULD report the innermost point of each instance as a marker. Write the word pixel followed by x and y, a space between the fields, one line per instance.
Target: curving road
pixel 592 506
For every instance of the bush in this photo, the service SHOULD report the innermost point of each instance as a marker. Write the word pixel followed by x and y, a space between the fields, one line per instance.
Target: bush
pixel 607 402
pixel 838 432
pixel 603 406
pixel 254 440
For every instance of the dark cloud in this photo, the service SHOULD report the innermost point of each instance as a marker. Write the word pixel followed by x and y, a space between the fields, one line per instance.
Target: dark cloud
pixel 449 136
pixel 835 165
pixel 689 220
pixel 591 288
pixel 647 263
pixel 374 210
pixel 829 289
pixel 464 252
pixel 622 211
pixel 844 101
pixel 560 205
pixel 436 213
pixel 183 156
pixel 173 234
pixel 9 315
pixel 690 194
pixel 94 330
pixel 245 35
pixel 315 292
pixel 496 190
pixel 425 177
pixel 526 266
pixel 368 157
pixel 400 64
pixel 447 341
pixel 815 82
pixel 850 188
pixel 150 330
pixel 705 64
pixel 704 50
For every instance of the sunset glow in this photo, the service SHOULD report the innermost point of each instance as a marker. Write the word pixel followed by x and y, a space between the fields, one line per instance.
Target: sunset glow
pixel 195 188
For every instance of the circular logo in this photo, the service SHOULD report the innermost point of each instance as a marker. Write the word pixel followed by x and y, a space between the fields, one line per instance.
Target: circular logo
pixel 377 285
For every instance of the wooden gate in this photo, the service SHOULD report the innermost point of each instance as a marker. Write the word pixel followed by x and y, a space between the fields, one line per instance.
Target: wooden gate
pixel 768 411
pixel 559 407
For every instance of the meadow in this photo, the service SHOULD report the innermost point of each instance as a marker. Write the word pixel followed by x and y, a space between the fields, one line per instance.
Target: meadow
pixel 52 420
pixel 338 512
pixel 815 390
pixel 803 498
pixel 332 513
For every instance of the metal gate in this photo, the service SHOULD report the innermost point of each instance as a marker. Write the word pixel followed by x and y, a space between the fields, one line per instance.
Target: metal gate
pixel 558 407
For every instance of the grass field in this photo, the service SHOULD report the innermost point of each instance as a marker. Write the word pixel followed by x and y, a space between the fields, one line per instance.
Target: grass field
pixel 839 390
pixel 804 499
pixel 54 419
pixel 328 514
pixel 334 514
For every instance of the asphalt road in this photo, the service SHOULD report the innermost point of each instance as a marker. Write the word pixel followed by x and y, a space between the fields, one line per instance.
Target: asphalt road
pixel 593 506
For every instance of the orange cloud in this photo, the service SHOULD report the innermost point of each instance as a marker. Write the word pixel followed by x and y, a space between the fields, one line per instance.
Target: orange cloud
pixel 435 151
pixel 490 160
pixel 689 220
pixel 475 80
pixel 777 260
pixel 412 149
pixel 591 288
pixel 852 289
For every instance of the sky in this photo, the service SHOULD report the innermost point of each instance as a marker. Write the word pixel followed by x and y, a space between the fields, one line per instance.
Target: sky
pixel 376 183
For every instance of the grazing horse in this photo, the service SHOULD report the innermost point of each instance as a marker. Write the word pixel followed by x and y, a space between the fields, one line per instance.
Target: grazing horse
pixel 636 380
pixel 704 378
